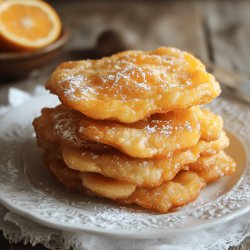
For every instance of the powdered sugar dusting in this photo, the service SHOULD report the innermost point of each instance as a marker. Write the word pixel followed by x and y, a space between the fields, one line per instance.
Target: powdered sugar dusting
pixel 167 127
pixel 132 74
pixel 76 89
pixel 65 128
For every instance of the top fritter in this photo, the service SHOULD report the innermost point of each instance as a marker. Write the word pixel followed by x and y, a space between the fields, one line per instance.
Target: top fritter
pixel 132 85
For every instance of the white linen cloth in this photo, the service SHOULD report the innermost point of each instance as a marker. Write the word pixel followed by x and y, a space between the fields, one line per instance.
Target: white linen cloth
pixel 17 228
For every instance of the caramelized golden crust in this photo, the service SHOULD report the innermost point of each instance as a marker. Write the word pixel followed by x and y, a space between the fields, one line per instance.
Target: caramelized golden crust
pixel 214 167
pixel 132 85
pixel 140 172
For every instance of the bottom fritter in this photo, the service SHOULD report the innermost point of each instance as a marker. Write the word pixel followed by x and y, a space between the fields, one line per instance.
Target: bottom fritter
pixel 181 190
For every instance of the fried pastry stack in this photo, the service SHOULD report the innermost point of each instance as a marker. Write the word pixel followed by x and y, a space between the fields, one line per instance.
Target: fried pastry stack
pixel 130 128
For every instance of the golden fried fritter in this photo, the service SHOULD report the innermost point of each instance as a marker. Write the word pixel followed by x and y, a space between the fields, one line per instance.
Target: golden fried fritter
pixel 132 85
pixel 156 136
pixel 178 192
pixel 141 172
pixel 152 138
pixel 211 168
pixel 144 173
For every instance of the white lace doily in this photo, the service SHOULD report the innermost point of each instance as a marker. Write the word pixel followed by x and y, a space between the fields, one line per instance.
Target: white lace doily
pixel 17 228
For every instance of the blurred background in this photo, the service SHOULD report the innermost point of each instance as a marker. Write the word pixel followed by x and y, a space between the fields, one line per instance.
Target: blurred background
pixel 217 32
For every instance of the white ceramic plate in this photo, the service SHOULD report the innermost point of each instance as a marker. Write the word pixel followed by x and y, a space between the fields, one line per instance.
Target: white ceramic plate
pixel 26 188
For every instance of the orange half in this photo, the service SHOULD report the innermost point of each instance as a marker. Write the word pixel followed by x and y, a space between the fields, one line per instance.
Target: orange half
pixel 28 24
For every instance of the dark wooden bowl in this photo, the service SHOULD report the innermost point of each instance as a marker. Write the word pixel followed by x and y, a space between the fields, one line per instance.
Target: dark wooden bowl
pixel 17 65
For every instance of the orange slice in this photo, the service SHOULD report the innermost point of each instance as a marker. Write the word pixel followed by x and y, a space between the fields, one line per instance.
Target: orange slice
pixel 28 24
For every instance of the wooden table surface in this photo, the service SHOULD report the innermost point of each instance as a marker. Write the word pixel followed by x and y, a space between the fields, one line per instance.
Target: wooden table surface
pixel 217 31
